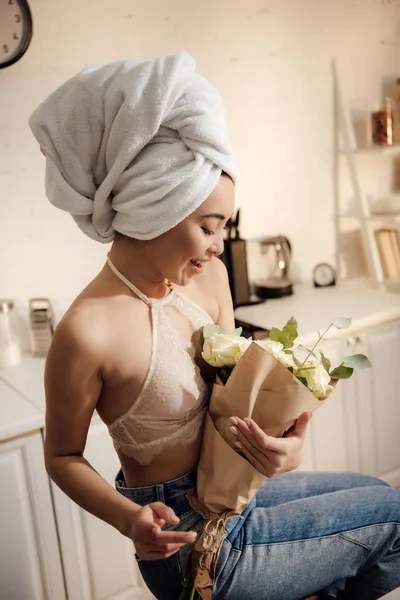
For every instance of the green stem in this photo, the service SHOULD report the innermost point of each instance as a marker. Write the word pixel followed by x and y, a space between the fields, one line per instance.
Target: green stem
pixel 192 594
pixel 316 344
pixel 304 369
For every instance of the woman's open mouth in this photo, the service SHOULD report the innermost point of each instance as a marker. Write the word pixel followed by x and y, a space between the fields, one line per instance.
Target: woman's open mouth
pixel 197 265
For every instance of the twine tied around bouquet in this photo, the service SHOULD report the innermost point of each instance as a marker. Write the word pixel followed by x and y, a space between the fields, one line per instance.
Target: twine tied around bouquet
pixel 206 550
pixel 212 534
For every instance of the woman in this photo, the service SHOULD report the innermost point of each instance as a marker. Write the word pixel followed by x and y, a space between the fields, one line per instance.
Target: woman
pixel 138 153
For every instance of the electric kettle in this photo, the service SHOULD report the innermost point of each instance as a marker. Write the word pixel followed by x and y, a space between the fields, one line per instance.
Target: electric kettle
pixel 277 284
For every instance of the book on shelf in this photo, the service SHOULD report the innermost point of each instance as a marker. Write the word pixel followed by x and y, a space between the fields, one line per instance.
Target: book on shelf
pixel 388 243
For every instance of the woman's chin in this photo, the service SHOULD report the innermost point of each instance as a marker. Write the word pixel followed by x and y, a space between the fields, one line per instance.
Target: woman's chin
pixel 183 278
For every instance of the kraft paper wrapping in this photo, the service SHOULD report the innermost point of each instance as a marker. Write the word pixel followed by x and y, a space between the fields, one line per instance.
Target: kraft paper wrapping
pixel 259 387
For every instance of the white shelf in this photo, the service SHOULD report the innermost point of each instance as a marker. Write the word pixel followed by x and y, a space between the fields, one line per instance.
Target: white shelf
pixel 367 221
pixel 391 217
pixel 395 148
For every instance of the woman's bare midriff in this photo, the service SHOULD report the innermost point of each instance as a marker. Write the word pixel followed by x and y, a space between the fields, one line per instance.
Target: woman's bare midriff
pixel 171 463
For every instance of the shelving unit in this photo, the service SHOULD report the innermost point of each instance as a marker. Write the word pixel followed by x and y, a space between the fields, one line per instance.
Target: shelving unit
pixel 345 146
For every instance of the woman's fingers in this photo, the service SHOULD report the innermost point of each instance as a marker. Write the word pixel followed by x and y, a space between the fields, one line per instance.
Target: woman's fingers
pixel 301 425
pixel 259 439
pixel 157 554
pixel 269 455
pixel 257 464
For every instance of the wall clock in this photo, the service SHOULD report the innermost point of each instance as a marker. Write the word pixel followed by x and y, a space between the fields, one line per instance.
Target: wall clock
pixel 15 30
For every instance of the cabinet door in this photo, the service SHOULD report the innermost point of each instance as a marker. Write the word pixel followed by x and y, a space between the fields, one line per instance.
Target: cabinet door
pixel 98 561
pixel 357 429
pixel 30 564
pixel 378 403
pixel 332 443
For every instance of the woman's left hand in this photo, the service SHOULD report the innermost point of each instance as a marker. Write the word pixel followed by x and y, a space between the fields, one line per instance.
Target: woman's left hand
pixel 271 456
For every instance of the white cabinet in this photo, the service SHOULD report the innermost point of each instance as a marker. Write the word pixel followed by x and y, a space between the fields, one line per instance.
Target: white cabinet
pixel 358 427
pixel 30 564
pixel 98 561
pixel 378 403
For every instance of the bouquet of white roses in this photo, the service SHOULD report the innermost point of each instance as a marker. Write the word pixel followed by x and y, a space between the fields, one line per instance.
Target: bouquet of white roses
pixel 272 382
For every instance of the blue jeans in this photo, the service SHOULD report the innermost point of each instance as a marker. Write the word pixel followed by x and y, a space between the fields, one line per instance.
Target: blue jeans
pixel 303 533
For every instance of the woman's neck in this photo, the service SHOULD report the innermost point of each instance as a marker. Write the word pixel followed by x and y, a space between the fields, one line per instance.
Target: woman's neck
pixel 130 258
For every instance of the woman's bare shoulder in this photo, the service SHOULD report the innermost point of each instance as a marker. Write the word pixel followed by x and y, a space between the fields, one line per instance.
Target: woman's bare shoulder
pixel 94 328
pixel 80 335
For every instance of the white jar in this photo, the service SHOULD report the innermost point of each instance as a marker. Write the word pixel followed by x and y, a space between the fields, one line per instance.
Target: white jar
pixel 10 349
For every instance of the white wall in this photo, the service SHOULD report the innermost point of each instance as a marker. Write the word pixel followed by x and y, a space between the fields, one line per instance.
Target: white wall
pixel 270 59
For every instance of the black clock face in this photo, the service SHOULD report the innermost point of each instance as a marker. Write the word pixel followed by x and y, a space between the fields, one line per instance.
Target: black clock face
pixel 15 30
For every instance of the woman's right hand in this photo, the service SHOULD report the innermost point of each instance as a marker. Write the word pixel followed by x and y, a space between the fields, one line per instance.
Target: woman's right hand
pixel 152 542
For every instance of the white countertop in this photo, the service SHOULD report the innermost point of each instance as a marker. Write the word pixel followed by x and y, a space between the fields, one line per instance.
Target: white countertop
pixel 313 308
pixel 28 379
pixel 17 415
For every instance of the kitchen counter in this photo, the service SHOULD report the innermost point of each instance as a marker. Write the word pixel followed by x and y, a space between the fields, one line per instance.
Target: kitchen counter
pixel 17 415
pixel 313 308
pixel 22 404
pixel 22 401
pixel 28 379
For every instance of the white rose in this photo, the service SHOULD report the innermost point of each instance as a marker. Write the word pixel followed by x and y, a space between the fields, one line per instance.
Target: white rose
pixel 318 379
pixel 276 349
pixel 224 350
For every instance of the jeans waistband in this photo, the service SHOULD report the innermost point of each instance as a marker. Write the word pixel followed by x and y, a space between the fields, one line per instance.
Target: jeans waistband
pixel 168 492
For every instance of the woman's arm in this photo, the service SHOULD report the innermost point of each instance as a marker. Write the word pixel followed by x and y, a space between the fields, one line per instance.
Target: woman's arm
pixel 73 385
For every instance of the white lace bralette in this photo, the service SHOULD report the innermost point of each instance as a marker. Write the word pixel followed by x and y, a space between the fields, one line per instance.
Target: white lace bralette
pixel 172 404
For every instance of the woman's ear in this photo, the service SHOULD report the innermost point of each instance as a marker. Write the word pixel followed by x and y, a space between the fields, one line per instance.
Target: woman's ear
pixel 42 151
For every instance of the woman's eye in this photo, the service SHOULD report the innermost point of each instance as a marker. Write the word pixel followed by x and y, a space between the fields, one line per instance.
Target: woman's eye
pixel 207 231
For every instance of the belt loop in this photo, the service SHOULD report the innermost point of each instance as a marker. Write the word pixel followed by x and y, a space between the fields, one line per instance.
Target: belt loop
pixel 160 493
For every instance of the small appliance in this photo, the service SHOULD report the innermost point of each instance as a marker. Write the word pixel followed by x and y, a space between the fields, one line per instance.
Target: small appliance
pixel 276 284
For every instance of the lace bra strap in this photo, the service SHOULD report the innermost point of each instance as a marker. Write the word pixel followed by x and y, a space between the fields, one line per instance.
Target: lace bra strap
pixel 128 283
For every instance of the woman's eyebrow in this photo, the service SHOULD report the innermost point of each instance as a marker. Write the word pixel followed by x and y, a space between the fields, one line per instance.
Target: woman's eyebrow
pixel 214 216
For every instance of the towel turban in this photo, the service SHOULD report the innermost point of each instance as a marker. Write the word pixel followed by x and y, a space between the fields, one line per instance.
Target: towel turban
pixel 134 146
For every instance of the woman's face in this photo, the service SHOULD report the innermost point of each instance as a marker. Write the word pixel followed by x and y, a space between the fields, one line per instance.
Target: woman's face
pixel 183 252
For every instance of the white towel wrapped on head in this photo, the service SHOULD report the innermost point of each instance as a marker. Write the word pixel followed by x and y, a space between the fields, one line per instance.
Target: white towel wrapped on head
pixel 134 146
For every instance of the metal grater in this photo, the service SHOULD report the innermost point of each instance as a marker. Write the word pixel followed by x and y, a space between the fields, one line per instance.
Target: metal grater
pixel 41 319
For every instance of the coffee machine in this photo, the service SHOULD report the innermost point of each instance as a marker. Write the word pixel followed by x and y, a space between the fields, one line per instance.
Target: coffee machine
pixel 276 284
pixel 235 260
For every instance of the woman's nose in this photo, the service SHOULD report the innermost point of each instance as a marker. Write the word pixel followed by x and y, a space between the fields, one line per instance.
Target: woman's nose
pixel 218 246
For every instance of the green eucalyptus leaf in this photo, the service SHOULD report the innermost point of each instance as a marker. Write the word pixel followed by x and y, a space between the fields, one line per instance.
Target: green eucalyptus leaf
pixel 237 331
pixel 302 379
pixel 341 322
pixel 288 334
pixel 307 350
pixel 211 329
pixel 276 335
pixel 326 363
pixel 357 361
pixel 296 361
pixel 341 372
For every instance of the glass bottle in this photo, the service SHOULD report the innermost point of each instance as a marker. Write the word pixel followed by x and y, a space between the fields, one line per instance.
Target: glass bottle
pixel 10 349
